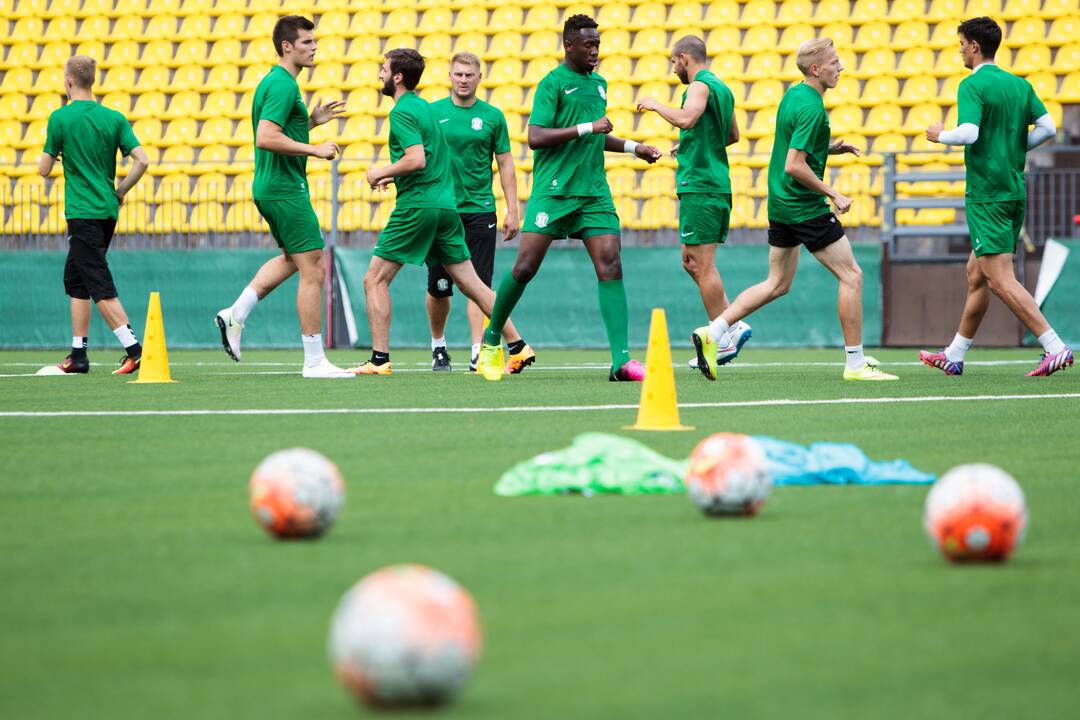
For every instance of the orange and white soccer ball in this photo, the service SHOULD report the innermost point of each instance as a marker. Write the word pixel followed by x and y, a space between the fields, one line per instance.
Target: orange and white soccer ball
pixel 976 512
pixel 405 636
pixel 296 493
pixel 728 475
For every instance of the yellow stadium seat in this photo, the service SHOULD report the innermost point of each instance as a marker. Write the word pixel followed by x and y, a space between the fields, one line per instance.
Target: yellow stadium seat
pixel 614 68
pixel 542 43
pixel 156 52
pixel 353 186
pixel 888 143
pixel 119 101
pixel 91 48
pixel 50 79
pixel 181 131
pixel 119 79
pixel 911 34
pixel 207 217
pixel 435 45
pixel 244 155
pixel 124 52
pixel 187 77
pixel 1070 88
pixel 508 97
pixel 915 61
pixel 1029 31
pixel 763 65
pixel 172 187
pixel 240 189
pixel 210 187
pixel 648 15
pixel 60 28
pixel 613 41
pixel 1063 30
pixel 356 156
pixel 759 38
pixel 723 38
pixel 877 62
pixel 185 104
pixel 504 44
pixel 227 25
pixel 20 55
pixel 400 20
pixel 353 215
pixel 652 67
pixel 613 15
pixel 758 12
pixel 155 78
pixel 919 89
pixel 437 19
pixel 323 76
pixel 334 23
pixel 1044 83
pixel 470 19
pixel 872 36
pixel 541 18
pixel 222 77
pixel 25 218
pixel 163 7
pixel 503 71
pixel 147 130
pixel 684 14
pixel 169 218
pixel 33 138
pixel 620 96
pixel 794 35
pixel 19 79
pixel 845 119
pixel 506 17
pixel 1054 110
pixel 536 70
pixel 261 26
pixel 883 119
pixel 919 116
pixel 728 65
pixel 1068 58
pixel 763 124
pixel 43 105
pixel 948 12
pixel 979 8
pixel 830 11
pixel 648 42
pixel 194 26
pixel 1017 9
pixel 363 74
pixel 214 131
pixel 474 42
pixel 250 77
pixel 656 89
pixel 1031 59
pixel 28 8
pixel 54 53
pixel 227 52
pixel 127 27
pixel 764 93
pixel 30 27
pixel 242 217
pixel 793 12
pixel 358 128
pixel 868 11
pixel 160 27
pixel 11 132
pixel 659 212
pixel 192 50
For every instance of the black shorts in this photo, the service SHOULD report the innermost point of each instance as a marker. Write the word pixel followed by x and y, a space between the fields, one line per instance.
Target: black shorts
pixel 480 230
pixel 86 273
pixel 816 233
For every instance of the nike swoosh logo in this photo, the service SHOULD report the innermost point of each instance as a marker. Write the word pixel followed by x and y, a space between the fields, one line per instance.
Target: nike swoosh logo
pixel 570 90
pixel 687 234
pixel 444 120
pixel 491 226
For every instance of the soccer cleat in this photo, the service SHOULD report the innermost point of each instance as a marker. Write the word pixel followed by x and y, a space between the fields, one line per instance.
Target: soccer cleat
pixel 705 347
pixel 326 370
pixel 472 362
pixel 942 363
pixel 230 333
pixel 1050 364
pixel 741 332
pixel 487 363
pixel 440 360
pixel 520 360
pixel 128 365
pixel 70 365
pixel 868 372
pixel 631 371
pixel 370 368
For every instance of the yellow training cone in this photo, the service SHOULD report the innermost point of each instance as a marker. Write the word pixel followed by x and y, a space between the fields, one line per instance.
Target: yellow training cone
pixel 658 409
pixel 500 357
pixel 154 367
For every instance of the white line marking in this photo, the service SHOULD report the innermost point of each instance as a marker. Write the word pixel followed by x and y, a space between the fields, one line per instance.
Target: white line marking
pixel 579 366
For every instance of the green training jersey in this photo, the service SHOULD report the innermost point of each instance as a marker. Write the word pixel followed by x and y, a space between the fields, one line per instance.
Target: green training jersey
pixel 477 133
pixel 413 123
pixel 801 124
pixel 565 98
pixel 278 99
pixel 1002 106
pixel 703 161
pixel 86 136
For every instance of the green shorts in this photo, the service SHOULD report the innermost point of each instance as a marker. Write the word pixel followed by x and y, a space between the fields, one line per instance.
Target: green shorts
pixel 704 218
pixel 994 227
pixel 415 236
pixel 292 222
pixel 577 217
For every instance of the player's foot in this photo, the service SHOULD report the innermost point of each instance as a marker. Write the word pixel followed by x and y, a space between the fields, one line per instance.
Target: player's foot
pixel 472 362
pixel 705 347
pixel 868 372
pixel 128 365
pixel 1050 364
pixel 520 360
pixel 326 370
pixel 71 365
pixel 942 363
pixel 631 371
pixel 487 363
pixel 740 332
pixel 230 333
pixel 440 360
pixel 370 368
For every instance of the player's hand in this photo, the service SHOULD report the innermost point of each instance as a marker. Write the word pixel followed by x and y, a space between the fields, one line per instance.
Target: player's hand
pixel 839 147
pixel 648 153
pixel 383 184
pixel 511 224
pixel 933 131
pixel 674 151
pixel 375 176
pixel 647 103
pixel 602 126
pixel 842 203
pixel 325 112
pixel 327 150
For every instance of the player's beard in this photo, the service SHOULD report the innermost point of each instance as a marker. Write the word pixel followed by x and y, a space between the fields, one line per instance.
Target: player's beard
pixel 388 87
pixel 683 75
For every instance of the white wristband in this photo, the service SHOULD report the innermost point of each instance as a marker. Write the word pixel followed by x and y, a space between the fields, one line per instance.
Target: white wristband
pixel 630 146
pixel 584 129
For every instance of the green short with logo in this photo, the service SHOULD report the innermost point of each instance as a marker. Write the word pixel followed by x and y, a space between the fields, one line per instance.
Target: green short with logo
pixel 415 236
pixel 704 218
pixel 994 227
pixel 292 222
pixel 576 217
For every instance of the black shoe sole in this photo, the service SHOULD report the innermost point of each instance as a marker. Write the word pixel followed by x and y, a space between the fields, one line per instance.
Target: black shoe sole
pixel 441 368
pixel 225 339
pixel 702 364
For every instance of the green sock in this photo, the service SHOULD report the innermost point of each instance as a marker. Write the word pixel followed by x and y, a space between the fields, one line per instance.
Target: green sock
pixel 506 298
pixel 616 320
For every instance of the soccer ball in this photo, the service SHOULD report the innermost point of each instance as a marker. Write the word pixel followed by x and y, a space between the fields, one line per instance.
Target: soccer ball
pixel 296 493
pixel 403 636
pixel 728 475
pixel 975 513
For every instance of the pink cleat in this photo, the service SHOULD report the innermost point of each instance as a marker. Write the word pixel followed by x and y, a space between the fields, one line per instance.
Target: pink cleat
pixel 1050 364
pixel 632 371
pixel 942 363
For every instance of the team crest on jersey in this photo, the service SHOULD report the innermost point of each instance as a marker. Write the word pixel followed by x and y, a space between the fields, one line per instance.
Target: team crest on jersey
pixel 477 124
pixel 541 219
pixel 603 93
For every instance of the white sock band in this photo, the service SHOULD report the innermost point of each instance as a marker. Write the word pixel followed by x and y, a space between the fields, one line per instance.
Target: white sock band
pixel 855 357
pixel 437 343
pixel 719 331
pixel 244 305
pixel 313 349
pixel 78 343
pixel 124 334
pixel 957 348
pixel 1051 342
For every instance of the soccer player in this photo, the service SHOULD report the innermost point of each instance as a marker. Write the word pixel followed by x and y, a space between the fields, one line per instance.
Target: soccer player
pixel 425 226
pixel 569 131
pixel 995 110
pixel 477 132
pixel 799 215
pixel 85 136
pixel 707 125
pixel 281 124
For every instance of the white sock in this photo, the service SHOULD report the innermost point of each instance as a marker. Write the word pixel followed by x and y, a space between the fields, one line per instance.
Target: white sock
pixel 475 349
pixel 1051 342
pixel 957 348
pixel 313 349
pixel 244 305
pixel 437 343
pixel 718 331
pixel 78 342
pixel 855 357
pixel 124 334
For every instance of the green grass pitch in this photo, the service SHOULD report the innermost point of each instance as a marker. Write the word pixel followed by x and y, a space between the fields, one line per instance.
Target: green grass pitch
pixel 135 584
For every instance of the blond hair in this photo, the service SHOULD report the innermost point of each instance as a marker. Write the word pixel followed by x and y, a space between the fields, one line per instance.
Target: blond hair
pixel 465 58
pixel 82 69
pixel 812 52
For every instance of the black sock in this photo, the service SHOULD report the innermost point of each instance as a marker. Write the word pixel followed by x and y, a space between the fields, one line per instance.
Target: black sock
pixel 379 358
pixel 516 346
pixel 134 351
pixel 78 353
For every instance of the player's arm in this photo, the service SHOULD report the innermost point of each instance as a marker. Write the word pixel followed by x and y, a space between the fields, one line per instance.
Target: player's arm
pixel 969 106
pixel 269 136
pixel 796 166
pixel 733 135
pixel 646 152
pixel 413 160
pixel 544 137
pixel 686 117
pixel 508 181
pixel 45 164
pixel 51 151
pixel 139 163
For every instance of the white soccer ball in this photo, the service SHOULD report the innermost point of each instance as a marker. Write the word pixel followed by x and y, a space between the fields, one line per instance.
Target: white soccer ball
pixel 405 635
pixel 296 493
pixel 728 475
pixel 976 512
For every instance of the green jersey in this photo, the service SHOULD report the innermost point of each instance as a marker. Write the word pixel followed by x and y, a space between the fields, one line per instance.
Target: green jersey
pixel 703 161
pixel 87 135
pixel 278 99
pixel 476 133
pixel 413 123
pixel 801 124
pixel 1002 106
pixel 565 98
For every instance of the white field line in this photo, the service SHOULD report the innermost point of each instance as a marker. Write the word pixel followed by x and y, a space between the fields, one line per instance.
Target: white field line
pixel 781 402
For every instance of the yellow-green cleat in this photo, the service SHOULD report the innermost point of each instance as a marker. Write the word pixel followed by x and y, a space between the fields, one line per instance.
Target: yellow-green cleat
pixel 868 372
pixel 706 348
pixel 487 363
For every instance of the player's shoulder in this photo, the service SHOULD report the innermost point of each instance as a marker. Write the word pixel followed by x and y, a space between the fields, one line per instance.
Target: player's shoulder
pixel 488 109
pixel 599 78
pixel 442 104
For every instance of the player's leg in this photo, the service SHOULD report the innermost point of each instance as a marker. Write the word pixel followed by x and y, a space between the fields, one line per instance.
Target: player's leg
pixel 605 251
pixel 380 274
pixel 440 288
pixel 950 360
pixel 98 279
pixel 77 360
pixel 311 267
pixel 531 251
pixel 480 237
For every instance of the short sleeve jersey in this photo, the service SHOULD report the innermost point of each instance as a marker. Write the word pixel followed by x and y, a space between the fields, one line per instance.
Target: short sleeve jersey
pixel 1002 105
pixel 86 136
pixel 703 161
pixel 278 99
pixel 565 98
pixel 413 123
pixel 801 124
pixel 477 133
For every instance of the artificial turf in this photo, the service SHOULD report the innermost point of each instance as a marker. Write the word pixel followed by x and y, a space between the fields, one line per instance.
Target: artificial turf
pixel 137 585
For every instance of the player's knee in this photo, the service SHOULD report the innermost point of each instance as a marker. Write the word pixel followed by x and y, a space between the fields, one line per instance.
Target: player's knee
pixel 779 288
pixel 523 271
pixel 691 266
pixel 609 267
pixel 853 277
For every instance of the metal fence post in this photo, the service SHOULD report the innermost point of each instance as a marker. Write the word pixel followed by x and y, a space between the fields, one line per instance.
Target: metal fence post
pixel 888 195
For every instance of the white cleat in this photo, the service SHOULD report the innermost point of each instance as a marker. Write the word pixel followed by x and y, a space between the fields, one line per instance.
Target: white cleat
pixel 739 333
pixel 326 370
pixel 230 333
